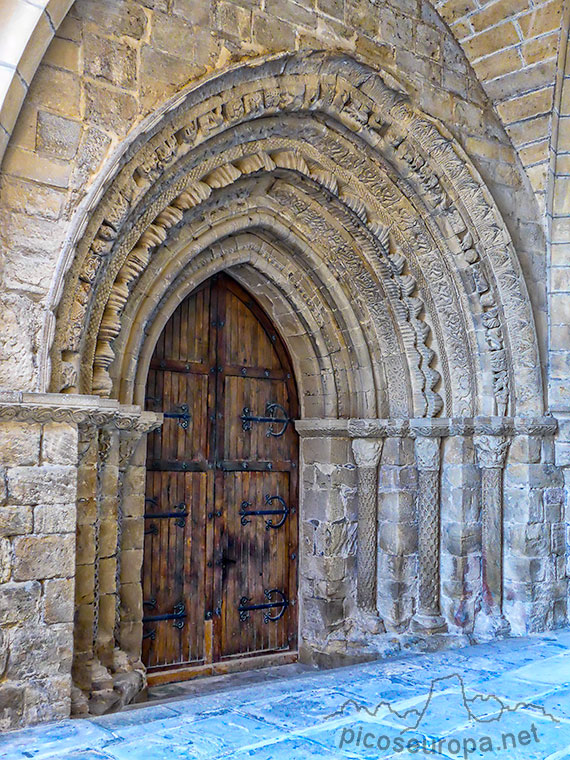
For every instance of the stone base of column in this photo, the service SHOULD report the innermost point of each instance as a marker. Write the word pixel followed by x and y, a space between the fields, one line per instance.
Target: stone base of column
pixel 490 625
pixel 369 621
pixel 422 623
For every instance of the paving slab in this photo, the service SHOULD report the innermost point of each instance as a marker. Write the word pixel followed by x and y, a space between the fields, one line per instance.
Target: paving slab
pixel 509 699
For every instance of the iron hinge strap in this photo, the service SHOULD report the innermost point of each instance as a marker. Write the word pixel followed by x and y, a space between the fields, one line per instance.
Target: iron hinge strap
pixel 182 415
pixel 178 616
pixel 180 514
pixel 244 608
pixel 244 512
pixel 247 419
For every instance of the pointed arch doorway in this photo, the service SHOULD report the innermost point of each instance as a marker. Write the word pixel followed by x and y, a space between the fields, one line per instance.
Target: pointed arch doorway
pixel 221 525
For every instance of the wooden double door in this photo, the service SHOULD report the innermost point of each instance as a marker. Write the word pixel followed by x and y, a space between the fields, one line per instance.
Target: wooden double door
pixel 221 523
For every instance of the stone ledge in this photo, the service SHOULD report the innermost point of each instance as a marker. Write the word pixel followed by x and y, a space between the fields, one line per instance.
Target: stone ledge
pixel 433 427
pixel 75 409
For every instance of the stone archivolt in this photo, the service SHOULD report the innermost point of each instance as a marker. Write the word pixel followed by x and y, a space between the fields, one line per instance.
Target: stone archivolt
pixel 398 221
pixel 373 245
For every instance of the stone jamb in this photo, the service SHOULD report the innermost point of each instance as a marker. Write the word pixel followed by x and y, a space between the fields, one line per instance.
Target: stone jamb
pixel 491 456
pixel 494 428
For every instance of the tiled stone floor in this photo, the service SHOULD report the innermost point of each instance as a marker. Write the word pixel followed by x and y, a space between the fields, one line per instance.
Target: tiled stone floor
pixel 510 699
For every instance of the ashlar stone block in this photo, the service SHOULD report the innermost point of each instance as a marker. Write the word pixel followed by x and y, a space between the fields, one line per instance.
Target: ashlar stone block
pixel 19 444
pixel 12 703
pixel 42 485
pixel 59 444
pixel 19 603
pixel 5 559
pixel 59 600
pixel 37 557
pixel 57 136
pixel 15 521
pixel 54 518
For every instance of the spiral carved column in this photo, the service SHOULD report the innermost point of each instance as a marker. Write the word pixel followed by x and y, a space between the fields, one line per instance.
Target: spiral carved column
pixel 428 618
pixel 367 456
pixel 491 454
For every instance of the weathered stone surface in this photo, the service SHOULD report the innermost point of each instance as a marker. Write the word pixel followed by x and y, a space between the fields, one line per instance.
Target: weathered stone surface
pixel 47 699
pixel 44 201
pixel 42 485
pixel 107 574
pixel 108 108
pixel 59 444
pixel 12 703
pixel 5 560
pixel 133 533
pixel 54 518
pixel 44 557
pixel 15 521
pixel 20 603
pixel 131 563
pixel 19 444
pixel 39 652
pixel 127 20
pixel 59 600
pixel 57 136
pixel 111 60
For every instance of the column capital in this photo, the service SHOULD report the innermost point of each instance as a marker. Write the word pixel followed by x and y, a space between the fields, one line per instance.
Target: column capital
pixel 427 452
pixel 491 451
pixel 76 409
pixel 367 451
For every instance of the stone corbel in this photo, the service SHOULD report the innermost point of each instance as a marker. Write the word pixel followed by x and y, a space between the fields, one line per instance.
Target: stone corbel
pixel 491 454
pixel 367 453
pixel 428 618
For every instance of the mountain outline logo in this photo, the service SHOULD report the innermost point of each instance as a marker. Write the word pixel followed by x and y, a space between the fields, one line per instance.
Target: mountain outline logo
pixel 468 702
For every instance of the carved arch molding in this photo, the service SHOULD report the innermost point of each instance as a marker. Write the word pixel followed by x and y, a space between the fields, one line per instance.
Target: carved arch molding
pixel 378 248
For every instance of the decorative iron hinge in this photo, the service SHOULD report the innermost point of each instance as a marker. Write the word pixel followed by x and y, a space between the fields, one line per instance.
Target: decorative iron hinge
pixel 271 408
pixel 179 512
pixel 178 616
pixel 244 512
pixel 182 415
pixel 244 608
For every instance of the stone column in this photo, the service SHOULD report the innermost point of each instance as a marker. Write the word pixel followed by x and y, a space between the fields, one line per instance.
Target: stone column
pixel 491 453
pixel 367 454
pixel 428 618
pixel 397 533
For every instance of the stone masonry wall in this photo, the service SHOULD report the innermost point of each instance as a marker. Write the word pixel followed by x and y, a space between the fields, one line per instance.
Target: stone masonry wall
pixel 514 46
pixel 536 580
pixel 327 542
pixel 59 528
pixel 37 568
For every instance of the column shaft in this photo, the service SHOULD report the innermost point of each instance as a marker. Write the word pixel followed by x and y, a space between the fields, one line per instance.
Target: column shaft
pixel 428 616
pixel 367 455
pixel 491 453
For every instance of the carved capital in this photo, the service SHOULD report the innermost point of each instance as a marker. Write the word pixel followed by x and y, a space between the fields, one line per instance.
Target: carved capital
pixel 491 450
pixel 427 452
pixel 128 442
pixel 367 452
pixel 78 410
